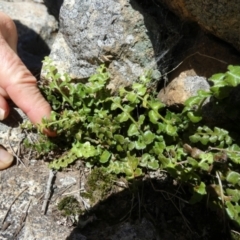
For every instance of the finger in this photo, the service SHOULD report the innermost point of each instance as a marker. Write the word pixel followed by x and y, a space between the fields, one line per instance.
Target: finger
pixel 4 108
pixel 15 79
pixel 6 158
pixel 21 85
pixel 8 31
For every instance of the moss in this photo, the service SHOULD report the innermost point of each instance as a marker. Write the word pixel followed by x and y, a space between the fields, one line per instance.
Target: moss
pixel 99 185
pixel 69 206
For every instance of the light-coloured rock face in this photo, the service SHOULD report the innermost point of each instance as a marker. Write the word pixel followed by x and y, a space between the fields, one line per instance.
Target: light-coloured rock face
pixel 117 33
pixel 182 87
pixel 220 18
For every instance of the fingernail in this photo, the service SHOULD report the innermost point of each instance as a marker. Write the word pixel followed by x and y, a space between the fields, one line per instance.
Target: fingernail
pixel 2 114
pixel 5 158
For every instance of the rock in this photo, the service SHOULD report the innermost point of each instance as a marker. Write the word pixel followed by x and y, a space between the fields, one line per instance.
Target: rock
pixel 37 1
pixel 220 18
pixel 92 33
pixel 25 192
pixel 205 57
pixel 182 87
pixel 36 30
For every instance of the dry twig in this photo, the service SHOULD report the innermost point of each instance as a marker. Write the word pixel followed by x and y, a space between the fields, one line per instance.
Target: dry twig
pixel 48 191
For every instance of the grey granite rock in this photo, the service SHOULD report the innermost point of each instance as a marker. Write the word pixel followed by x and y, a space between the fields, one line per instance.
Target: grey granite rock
pixel 220 18
pixel 124 35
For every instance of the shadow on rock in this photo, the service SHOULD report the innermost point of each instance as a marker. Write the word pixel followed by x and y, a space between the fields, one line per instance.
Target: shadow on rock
pixel 149 210
pixel 53 7
pixel 31 48
pixel 165 36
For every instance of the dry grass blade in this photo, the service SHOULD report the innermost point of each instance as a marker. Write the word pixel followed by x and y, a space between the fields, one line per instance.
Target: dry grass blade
pixel 10 145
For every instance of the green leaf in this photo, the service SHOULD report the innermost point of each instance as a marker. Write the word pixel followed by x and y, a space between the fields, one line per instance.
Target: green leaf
pixel 145 101
pixel 228 140
pixel 105 156
pixel 201 189
pixel 206 157
pixel 192 161
pixel 233 211
pixel 131 97
pixel 217 130
pixel 123 117
pixel 234 193
pixel 154 165
pixel 217 77
pixel 138 172
pixel 203 93
pixel 158 147
pixel 233 177
pixel 171 130
pixel 119 148
pixel 195 138
pixel 133 130
pixel 85 150
pixel 194 118
pixel 139 88
pixel 116 103
pixel 233 76
pixel 131 146
pixel 127 109
pixel 148 137
pixel 192 101
pixel 163 160
pixel 156 105
pixel 132 161
pixel 141 119
pixel 204 166
pixel 153 116
pixel 213 139
pixel 204 139
pixel 144 159
pixel 119 138
pixel 140 144
pixel 198 193
pixel 220 90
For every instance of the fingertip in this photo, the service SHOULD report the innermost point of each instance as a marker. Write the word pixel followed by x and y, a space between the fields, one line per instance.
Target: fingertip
pixel 4 108
pixel 49 133
pixel 6 158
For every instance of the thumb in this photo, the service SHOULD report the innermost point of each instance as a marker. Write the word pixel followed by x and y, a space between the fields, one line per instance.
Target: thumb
pixel 6 159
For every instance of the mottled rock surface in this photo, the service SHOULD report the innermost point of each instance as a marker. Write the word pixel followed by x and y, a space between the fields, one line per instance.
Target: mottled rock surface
pixel 22 193
pixel 125 35
pixel 220 18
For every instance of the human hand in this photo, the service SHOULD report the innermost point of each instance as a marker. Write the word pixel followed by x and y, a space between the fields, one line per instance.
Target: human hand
pixel 17 83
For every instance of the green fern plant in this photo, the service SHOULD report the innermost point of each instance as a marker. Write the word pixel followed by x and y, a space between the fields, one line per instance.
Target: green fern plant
pixel 132 132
